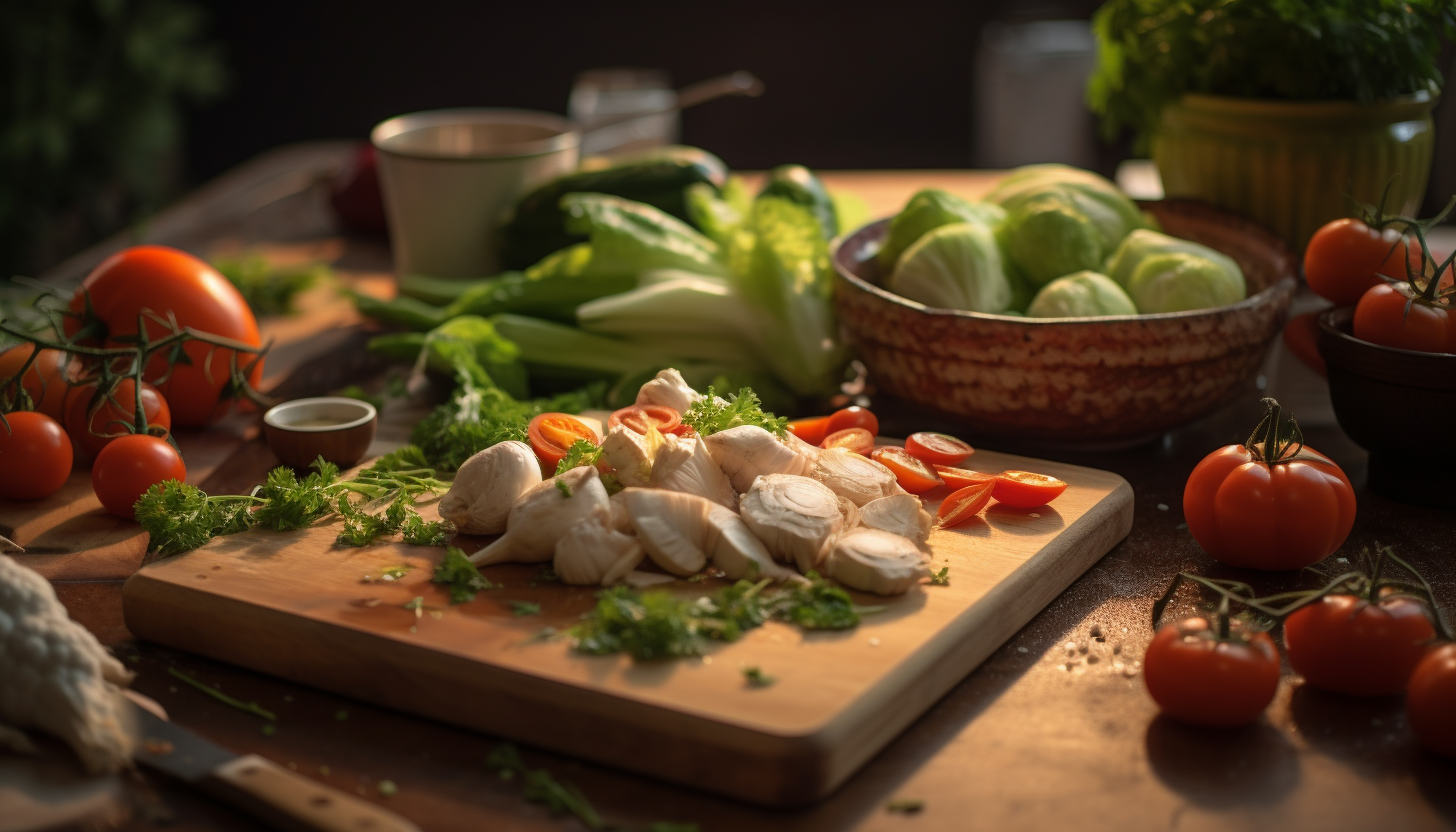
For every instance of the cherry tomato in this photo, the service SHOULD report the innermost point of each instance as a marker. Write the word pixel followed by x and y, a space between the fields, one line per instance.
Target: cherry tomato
pixel 1301 336
pixel 938 448
pixel 113 416
pixel 128 466
pixel 1346 644
pixel 858 440
pixel 1198 678
pixel 964 504
pixel 955 478
pixel 638 416
pixel 1345 257
pixel 1393 315
pixel 35 456
pixel 811 430
pixel 167 281
pixel 1430 698
pixel 552 434
pixel 44 380
pixel 1023 489
pixel 853 417
pixel 912 474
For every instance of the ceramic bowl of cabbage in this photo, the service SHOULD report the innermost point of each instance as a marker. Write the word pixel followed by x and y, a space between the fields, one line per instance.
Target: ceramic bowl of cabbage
pixel 1118 379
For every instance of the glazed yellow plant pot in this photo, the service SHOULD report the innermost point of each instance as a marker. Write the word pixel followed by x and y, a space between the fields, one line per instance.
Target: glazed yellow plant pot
pixel 1294 166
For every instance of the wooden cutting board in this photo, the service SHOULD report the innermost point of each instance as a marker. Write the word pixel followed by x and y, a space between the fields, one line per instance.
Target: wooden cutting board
pixel 294 605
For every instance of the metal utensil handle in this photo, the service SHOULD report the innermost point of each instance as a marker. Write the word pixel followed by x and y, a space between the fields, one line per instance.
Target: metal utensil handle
pixel 742 82
pixel 291 801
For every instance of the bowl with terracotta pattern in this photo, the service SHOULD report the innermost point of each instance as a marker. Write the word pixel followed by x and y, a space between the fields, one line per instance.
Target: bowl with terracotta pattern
pixel 1107 380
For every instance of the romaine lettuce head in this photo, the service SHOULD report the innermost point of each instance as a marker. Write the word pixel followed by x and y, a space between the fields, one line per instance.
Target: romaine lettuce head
pixel 1179 281
pixel 927 211
pixel 956 266
pixel 1022 290
pixel 1143 243
pixel 1082 295
pixel 1061 219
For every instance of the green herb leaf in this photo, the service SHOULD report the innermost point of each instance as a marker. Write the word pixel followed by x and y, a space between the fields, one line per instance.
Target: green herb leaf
pixel 941 578
pixel 461 576
pixel 756 677
pixel 905 806
pixel 712 414
pixel 250 707
pixel 524 608
pixel 180 517
pixel 268 289
pixel 565 489
pixel 580 453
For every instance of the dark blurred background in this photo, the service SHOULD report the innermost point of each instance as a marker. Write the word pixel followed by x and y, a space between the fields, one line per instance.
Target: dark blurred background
pixel 145 99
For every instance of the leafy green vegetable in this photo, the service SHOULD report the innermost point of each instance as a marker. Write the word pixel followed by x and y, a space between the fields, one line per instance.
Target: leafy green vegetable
pixel 631 237
pixel 955 266
pixel 417 532
pixel 718 212
pixel 269 289
pixel 1166 274
pixel 1150 52
pixel 461 576
pixel 799 185
pixel 179 517
pixel 1061 219
pixel 580 453
pixel 819 605
pixel 290 503
pixel 756 677
pixel 653 625
pixel 926 211
pixel 457 341
pixel 712 414
pixel 1081 295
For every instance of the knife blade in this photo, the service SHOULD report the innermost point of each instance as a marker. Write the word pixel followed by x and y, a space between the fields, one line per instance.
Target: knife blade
pixel 257 785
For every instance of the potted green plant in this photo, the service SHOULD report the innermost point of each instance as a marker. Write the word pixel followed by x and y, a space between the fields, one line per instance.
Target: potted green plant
pixel 1281 110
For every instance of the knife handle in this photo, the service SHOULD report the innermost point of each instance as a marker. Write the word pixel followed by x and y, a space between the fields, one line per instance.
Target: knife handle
pixel 293 802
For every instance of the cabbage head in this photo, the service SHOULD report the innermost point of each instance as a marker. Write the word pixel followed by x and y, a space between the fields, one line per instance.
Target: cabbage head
pixel 956 266
pixel 1178 282
pixel 926 211
pixel 1081 295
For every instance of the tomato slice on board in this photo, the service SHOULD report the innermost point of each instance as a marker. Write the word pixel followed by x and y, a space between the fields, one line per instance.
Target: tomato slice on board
pixel 956 478
pixel 912 474
pixel 551 434
pixel 854 417
pixel 637 417
pixel 964 504
pixel 938 448
pixel 1023 489
pixel 812 430
pixel 858 440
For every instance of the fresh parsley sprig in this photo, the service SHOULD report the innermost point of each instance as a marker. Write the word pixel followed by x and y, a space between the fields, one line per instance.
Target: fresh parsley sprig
pixel 461 576
pixel 712 414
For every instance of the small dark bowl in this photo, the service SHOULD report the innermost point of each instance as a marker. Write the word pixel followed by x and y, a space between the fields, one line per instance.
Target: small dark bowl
pixel 338 429
pixel 1399 406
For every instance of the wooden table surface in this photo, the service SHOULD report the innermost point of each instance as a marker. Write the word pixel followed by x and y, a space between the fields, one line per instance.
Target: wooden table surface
pixel 1055 730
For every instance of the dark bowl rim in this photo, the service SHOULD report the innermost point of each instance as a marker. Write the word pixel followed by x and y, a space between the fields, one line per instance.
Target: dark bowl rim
pixel 839 251
pixel 1327 323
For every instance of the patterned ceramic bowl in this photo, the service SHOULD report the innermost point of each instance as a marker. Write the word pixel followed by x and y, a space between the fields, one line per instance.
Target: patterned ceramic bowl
pixel 1072 380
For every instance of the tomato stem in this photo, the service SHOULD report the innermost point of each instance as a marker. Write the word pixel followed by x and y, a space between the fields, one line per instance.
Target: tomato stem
pixel 1273 441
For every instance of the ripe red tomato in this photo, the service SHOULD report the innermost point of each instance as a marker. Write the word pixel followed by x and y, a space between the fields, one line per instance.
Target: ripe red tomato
pixel 638 416
pixel 812 430
pixel 1198 678
pixel 113 416
pixel 858 440
pixel 964 504
pixel 958 478
pixel 1023 489
pixel 938 448
pixel 128 466
pixel 1430 701
pixel 1346 644
pixel 1346 257
pixel 853 417
pixel 912 474
pixel 1393 315
pixel 167 281
pixel 44 380
pixel 552 434
pixel 35 456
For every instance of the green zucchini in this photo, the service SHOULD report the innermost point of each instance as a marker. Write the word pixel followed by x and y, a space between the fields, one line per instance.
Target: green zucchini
pixel 800 186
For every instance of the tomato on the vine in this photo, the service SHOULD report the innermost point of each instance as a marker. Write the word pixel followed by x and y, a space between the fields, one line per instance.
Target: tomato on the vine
pixel 638 417
pixel 166 282
pixel 938 448
pixel 853 417
pixel 1347 256
pixel 1202 677
pixel 912 474
pixel 1024 489
pixel 1270 503
pixel 94 424
pixel 1350 644
pixel 1429 700
pixel 858 440
pixel 129 465
pixel 811 430
pixel 551 435
pixel 1396 315
pixel 35 456
pixel 44 380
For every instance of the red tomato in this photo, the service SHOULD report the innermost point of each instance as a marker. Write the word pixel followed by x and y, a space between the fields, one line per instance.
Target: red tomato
pixel 853 417
pixel 1301 336
pixel 44 380
pixel 811 430
pixel 955 478
pixel 938 448
pixel 167 281
pixel 1346 257
pixel 1198 678
pixel 1023 489
pixel 964 504
pixel 1393 315
pixel 638 416
pixel 1429 700
pixel 128 466
pixel 552 434
pixel 912 474
pixel 113 416
pixel 858 440
pixel 35 456
pixel 1346 644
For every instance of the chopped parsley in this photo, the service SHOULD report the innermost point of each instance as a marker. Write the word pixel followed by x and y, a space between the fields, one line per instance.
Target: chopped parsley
pixel 756 678
pixel 540 787
pixel 461 576
pixel 524 608
pixel 711 414
pixel 563 488
pixel 941 578
pixel 580 453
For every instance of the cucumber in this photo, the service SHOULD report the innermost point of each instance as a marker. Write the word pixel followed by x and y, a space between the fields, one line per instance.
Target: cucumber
pixel 658 177
pixel 799 185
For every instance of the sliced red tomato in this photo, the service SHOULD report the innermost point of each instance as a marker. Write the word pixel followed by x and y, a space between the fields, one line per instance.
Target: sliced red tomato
pixel 1023 489
pixel 912 474
pixel 956 478
pixel 858 440
pixel 551 434
pixel 964 504
pixel 854 417
pixel 639 416
pixel 938 448
pixel 812 430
